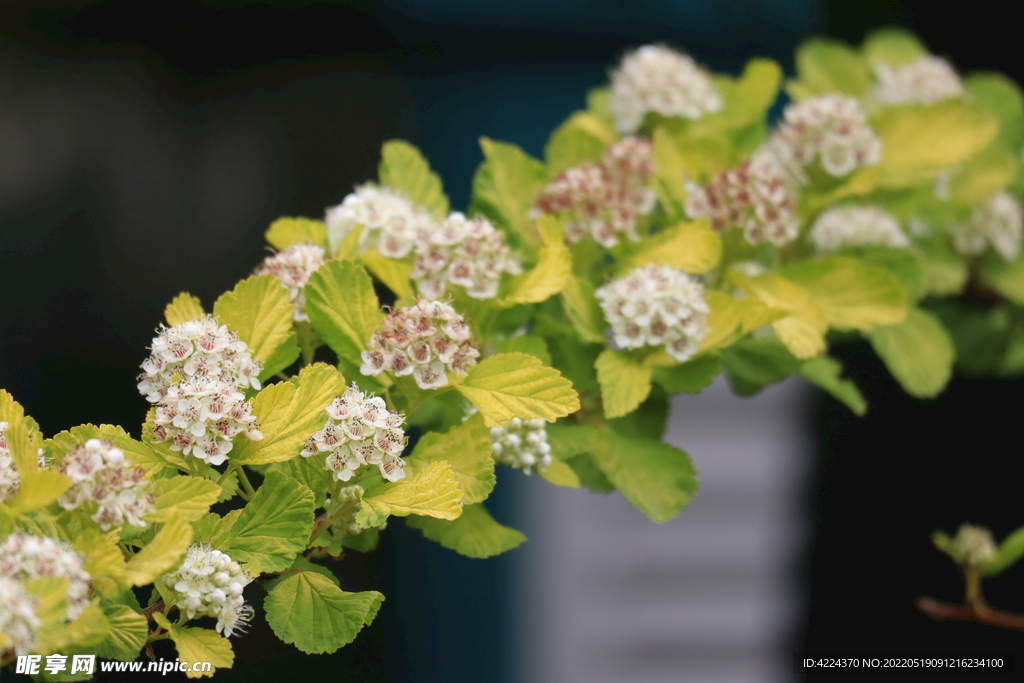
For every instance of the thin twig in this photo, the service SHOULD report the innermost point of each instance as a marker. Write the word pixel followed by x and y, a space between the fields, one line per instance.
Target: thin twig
pixel 945 611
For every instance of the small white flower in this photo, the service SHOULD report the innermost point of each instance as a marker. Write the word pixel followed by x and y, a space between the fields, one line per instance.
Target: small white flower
pixel 926 80
pixel 24 557
pixel 522 444
pixel 18 620
pixel 390 221
pixel 360 430
pixel 857 226
pixel 103 475
pixel 210 584
pixel 293 267
pixel 998 221
pixel 973 545
pixel 470 253
pixel 426 340
pixel 655 305
pixel 658 79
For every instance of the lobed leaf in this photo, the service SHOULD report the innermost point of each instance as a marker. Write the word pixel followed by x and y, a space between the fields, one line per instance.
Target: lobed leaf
pixel 467 449
pixel 918 352
pixel 198 645
pixel 343 308
pixel 273 526
pixel 516 385
pixel 260 311
pixel 473 534
pixel 182 309
pixel 625 383
pixel 288 231
pixel 403 168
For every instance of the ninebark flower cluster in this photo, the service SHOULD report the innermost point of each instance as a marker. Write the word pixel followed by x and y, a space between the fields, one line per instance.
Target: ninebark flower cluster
pixel 926 80
pixel 293 267
pixel 210 584
pixel 857 226
pixel 998 222
pixel 103 475
pixel 24 557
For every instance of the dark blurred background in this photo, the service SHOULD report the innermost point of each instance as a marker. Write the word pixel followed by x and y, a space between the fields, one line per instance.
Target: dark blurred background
pixel 145 147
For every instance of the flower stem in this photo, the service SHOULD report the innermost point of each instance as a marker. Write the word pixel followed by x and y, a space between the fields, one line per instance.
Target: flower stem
pixel 246 484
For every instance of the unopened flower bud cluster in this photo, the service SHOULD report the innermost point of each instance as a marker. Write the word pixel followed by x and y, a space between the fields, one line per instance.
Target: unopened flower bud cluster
pixel 757 197
pixel 196 375
pixel 360 430
pixel 973 545
pixel 390 222
pixel 426 340
pixel 102 474
pixel 523 444
pixel 470 253
pixel 293 267
pixel 658 79
pixel 10 481
pixel 857 226
pixel 831 129
pixel 926 80
pixel 24 557
pixel 998 222
pixel 210 584
pixel 606 199
pixel 18 620
pixel 655 305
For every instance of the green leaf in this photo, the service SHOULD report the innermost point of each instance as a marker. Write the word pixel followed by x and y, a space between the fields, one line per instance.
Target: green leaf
pixel 516 385
pixel 656 478
pixel 392 272
pixel 182 309
pixel 903 264
pixel 583 310
pixel 568 440
pixel 104 561
pixel 560 474
pixel 1010 552
pixel 343 308
pixel 289 413
pixel 467 449
pixel 570 146
pixel 752 364
pixel 918 352
pixel 983 175
pixel 430 490
pixel 689 246
pixel 825 372
pixel 38 489
pixel 473 534
pixel 311 613
pixel 22 436
pixel 287 232
pixel 127 635
pixel 747 99
pixel 514 181
pixel 403 168
pixel 690 377
pixel 625 384
pixel 198 645
pixel 187 498
pixel 260 312
pixel 1001 96
pixel 669 172
pixel 731 318
pixel 910 155
pixel 803 330
pixel 528 344
pixel 893 46
pixel 273 526
pixel 1005 278
pixel 945 272
pixel 161 554
pixel 851 293
pixel 828 66
pixel 552 272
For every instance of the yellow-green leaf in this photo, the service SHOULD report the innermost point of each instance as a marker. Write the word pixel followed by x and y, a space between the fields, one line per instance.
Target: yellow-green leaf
pixel 825 372
pixel 403 168
pixel 691 246
pixel 288 231
pixel 517 181
pixel 553 269
pixel 289 413
pixel 583 310
pixel 467 449
pixel 182 309
pixel 569 146
pixel 625 383
pixel 260 312
pixel 850 292
pixel 392 272
pixel 127 635
pixel 273 526
pixel 516 385
pixel 23 439
pixel 343 308
pixel 560 474
pixel 1005 278
pixel 983 175
pixel 893 46
pixel 103 559
pixel 432 491
pixel 161 554
pixel 803 330
pixel 474 534
pixel 669 172
pixel 38 489
pixel 827 66
pixel 196 645
pixel 731 318
pixel 918 352
pixel 187 498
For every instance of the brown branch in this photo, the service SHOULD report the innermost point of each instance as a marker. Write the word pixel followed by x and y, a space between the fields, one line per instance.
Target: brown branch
pixel 157 606
pixel 945 611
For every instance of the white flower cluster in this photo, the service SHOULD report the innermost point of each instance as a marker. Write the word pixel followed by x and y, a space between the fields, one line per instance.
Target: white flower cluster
pixel 831 129
pixel 18 620
pixel 103 475
pixel 360 430
pixel 973 545
pixel 426 340
pixel 658 79
pixel 857 226
pixel 999 221
pixel 604 199
pixel 523 444
pixel 467 252
pixel 926 80
pixel 210 584
pixel 293 267
pixel 10 481
pixel 24 557
pixel 196 375
pixel 391 223
pixel 655 305
pixel 756 197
